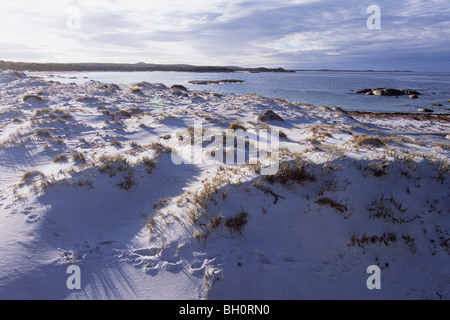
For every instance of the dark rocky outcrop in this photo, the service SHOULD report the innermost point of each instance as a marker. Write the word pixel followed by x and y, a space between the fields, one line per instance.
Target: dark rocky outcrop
pixel 425 110
pixel 388 92
pixel 32 97
pixel 136 91
pixel 179 93
pixel 364 91
pixel 269 115
pixel 436 105
pixel 179 87
pixel 135 111
pixel 122 114
pixel 410 92
pixel 414 96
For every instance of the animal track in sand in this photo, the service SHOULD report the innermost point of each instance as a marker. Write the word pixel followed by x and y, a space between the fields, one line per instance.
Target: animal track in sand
pixel 198 268
pixel 287 257
pixel 154 259
pixel 32 218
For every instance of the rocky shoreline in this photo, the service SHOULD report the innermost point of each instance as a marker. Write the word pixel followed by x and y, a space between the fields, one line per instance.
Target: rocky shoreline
pixel 416 116
pixel 213 82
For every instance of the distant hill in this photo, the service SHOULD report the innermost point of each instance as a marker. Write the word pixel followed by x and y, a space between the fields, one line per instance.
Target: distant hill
pixel 141 66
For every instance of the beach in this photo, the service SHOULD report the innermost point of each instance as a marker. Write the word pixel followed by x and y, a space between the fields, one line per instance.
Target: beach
pixel 104 176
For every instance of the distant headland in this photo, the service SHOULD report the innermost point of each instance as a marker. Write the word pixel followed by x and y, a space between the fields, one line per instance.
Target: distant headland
pixel 141 66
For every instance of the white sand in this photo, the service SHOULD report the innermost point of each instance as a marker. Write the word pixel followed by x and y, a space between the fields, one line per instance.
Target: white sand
pixel 128 247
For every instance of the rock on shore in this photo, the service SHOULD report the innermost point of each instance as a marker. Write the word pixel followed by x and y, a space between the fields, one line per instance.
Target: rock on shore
pixel 387 92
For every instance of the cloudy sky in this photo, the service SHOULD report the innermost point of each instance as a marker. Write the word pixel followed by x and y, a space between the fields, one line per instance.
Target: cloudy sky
pixel 309 34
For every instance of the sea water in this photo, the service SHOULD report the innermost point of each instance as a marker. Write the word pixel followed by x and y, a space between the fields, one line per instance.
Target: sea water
pixel 332 88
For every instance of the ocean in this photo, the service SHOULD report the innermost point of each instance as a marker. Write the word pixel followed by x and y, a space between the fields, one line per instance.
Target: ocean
pixel 332 88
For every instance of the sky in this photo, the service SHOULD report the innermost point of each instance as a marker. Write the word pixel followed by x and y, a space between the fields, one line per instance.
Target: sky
pixel 304 34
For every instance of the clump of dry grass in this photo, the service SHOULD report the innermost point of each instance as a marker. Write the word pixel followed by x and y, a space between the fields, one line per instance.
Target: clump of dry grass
pixel 128 181
pixel 41 112
pixel 236 125
pixel 369 141
pixel 297 170
pixel 162 202
pixel 27 176
pixel 60 158
pixel 116 143
pixel 150 164
pixel 364 240
pixel 378 168
pixel 386 238
pixel 389 209
pixel 200 199
pixel 43 133
pixel 79 157
pixel 112 164
pixel 160 148
pixel 376 141
pixel 237 222
pixel 333 204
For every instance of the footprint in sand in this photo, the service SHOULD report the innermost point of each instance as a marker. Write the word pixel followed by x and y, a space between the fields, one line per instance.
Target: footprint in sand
pixel 172 267
pixel 33 218
pixel 197 269
pixel 150 252
pixel 287 257
pixel 146 256
pixel 152 268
